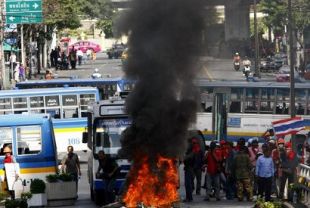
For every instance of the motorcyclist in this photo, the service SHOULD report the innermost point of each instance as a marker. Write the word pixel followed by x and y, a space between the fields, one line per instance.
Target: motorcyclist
pixel 236 61
pixel 246 62
pixel 96 74
pixel 237 57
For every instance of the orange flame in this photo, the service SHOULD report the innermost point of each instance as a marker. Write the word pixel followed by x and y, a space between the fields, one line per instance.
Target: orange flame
pixel 153 186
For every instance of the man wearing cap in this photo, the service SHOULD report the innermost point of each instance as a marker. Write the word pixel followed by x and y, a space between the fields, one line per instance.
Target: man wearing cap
pixel 288 165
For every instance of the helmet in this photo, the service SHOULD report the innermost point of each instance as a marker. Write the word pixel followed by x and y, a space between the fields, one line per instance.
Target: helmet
pixel 281 141
pixel 222 142
pixel 96 70
pixel 7 150
pixel 250 141
pixel 237 54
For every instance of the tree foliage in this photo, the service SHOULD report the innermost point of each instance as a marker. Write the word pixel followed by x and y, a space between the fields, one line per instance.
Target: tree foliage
pixel 62 13
pixel 276 14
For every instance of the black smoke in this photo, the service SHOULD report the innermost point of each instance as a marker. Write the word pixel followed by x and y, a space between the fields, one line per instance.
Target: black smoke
pixel 164 46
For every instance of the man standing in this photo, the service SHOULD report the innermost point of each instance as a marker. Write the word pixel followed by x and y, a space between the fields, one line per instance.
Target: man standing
pixel 71 165
pixel 242 170
pixel 107 170
pixel 72 58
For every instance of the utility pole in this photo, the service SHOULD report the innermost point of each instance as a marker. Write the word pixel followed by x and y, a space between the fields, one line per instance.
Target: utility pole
pixel 256 61
pixel 291 57
pixel 2 62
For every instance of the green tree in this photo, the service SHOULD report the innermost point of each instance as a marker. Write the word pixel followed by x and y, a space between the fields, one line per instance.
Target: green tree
pixel 276 15
pixel 62 13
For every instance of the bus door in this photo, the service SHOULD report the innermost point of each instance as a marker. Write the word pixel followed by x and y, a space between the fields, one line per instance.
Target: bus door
pixel 219 113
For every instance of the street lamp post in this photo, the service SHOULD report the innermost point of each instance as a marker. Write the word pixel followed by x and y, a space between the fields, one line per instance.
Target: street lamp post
pixel 256 64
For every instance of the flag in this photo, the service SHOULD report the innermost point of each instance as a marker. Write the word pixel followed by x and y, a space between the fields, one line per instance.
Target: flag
pixel 288 126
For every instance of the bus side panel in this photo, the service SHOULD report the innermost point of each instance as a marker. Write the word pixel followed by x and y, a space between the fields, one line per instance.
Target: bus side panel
pixel 69 132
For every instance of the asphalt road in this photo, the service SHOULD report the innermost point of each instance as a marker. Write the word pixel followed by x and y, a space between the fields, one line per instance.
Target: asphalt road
pixel 209 68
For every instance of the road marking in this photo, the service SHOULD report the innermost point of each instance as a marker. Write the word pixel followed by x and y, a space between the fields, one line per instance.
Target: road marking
pixel 208 73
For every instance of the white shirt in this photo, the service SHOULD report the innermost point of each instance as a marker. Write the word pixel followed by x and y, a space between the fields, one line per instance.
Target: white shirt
pixel 96 75
pixel 79 53
pixel 13 58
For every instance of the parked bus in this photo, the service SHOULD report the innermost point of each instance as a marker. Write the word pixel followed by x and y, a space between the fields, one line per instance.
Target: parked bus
pixel 32 141
pixel 106 121
pixel 246 109
pixel 67 107
pixel 107 86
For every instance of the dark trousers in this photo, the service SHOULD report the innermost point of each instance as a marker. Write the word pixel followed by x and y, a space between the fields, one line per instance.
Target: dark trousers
pixel 189 175
pixel 286 176
pixel 197 175
pixel 109 192
pixel 264 187
pixel 73 64
pixel 230 188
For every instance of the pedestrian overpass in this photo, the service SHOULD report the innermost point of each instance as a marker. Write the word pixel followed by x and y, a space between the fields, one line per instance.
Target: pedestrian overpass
pixel 237 20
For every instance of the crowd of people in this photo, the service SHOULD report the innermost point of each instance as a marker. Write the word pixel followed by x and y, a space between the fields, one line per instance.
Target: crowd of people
pixel 240 171
pixel 60 60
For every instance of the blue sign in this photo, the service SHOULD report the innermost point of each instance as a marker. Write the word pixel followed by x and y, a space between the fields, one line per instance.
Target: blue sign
pixel 11 41
pixel 234 122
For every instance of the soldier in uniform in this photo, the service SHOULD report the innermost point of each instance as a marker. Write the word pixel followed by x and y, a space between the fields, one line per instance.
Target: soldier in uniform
pixel 242 171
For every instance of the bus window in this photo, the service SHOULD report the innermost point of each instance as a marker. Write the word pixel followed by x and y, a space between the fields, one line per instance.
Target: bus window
pixel 300 108
pixel 6 135
pixel 283 101
pixel 52 101
pixel 236 100
pixel 267 101
pixel 55 113
pixel 69 100
pixel 85 99
pixel 28 140
pixel 20 105
pixel 251 100
pixel 36 102
pixel 5 104
pixel 71 113
pixel 206 98
pixel 301 99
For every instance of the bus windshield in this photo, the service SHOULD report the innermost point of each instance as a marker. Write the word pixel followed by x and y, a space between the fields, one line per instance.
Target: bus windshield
pixel 107 134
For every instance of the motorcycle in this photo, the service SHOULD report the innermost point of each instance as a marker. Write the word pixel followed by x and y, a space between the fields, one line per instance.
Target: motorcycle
pixel 247 73
pixel 236 65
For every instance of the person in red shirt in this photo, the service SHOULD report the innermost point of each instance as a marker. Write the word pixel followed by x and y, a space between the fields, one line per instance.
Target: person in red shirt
pixel 8 158
pixel 213 162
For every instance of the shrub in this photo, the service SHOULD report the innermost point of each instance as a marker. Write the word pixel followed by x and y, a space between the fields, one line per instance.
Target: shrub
pixel 65 177
pixel 37 186
pixel 52 178
pixel 15 203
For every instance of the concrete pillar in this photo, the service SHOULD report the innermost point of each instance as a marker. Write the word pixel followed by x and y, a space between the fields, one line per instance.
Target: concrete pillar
pixel 237 20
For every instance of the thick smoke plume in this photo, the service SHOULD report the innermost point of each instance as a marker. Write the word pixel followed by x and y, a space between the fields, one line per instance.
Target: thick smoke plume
pixel 164 46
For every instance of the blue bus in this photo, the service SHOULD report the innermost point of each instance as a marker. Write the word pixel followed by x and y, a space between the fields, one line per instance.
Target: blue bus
pixel 107 86
pixel 67 107
pixel 31 138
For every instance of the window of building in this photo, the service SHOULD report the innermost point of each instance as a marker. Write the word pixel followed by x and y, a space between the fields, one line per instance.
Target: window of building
pixel 28 140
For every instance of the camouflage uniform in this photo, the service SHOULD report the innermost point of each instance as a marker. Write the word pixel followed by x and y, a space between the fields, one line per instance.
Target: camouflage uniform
pixel 242 171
